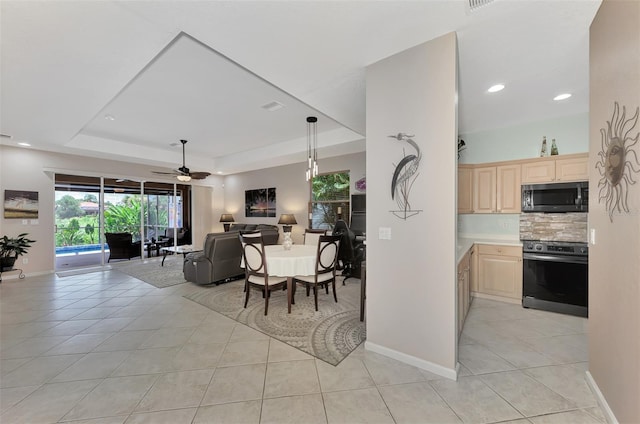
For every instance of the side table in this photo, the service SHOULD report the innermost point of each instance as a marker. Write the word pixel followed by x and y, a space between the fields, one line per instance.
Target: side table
pixel 187 248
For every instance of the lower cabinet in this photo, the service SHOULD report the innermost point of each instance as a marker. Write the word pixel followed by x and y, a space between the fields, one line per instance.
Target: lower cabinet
pixel 499 271
pixel 464 289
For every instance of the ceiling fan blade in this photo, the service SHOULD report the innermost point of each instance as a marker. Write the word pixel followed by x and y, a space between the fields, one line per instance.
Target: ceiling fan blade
pixel 165 173
pixel 199 175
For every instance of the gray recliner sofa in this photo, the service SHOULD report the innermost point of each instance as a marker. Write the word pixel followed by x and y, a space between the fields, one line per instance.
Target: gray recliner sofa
pixel 222 253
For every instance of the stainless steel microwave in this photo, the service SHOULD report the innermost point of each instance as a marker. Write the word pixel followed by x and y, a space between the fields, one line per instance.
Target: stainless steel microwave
pixel 556 197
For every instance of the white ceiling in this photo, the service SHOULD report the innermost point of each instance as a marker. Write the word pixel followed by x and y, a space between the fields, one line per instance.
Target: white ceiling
pixel 201 70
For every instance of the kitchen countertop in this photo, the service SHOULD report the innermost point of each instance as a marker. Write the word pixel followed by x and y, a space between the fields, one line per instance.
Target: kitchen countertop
pixel 465 242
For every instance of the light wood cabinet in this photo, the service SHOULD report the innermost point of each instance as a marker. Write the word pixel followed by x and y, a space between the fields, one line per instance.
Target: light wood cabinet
pixel 484 189
pixel 500 271
pixel 465 189
pixel 574 169
pixel 464 290
pixel 508 190
pixel 496 189
pixel 556 169
pixel 538 171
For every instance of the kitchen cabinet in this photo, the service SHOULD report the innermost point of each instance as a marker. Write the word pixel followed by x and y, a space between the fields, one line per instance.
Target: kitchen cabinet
pixel 496 189
pixel 556 169
pixel 465 189
pixel 500 271
pixel 538 171
pixel 464 290
pixel 573 169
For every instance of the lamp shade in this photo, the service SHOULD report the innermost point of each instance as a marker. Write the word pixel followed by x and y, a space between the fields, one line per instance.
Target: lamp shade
pixel 227 217
pixel 287 219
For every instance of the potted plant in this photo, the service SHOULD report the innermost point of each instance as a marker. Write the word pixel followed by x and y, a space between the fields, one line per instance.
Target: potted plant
pixel 11 248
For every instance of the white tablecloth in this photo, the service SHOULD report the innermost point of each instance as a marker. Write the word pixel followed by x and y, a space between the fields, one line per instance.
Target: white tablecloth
pixel 300 260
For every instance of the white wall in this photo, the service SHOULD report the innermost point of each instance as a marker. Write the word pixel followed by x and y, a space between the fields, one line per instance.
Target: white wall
pixel 614 269
pixel 524 141
pixel 292 190
pixel 23 169
pixel 411 300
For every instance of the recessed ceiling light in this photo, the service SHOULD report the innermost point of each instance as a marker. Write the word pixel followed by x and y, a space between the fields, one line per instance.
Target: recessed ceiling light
pixel 109 117
pixel 24 144
pixel 495 88
pixel 562 96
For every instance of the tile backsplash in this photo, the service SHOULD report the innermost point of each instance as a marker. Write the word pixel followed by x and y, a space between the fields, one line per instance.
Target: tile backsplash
pixel 554 226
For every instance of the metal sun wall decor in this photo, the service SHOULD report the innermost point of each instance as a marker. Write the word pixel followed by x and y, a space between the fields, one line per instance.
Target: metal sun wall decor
pixel 404 175
pixel 618 160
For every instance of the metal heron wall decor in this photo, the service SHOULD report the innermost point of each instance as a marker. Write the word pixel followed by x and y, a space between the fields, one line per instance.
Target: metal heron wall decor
pixel 404 175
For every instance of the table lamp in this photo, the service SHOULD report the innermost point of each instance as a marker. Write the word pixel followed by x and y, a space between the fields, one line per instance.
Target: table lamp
pixel 227 219
pixel 288 219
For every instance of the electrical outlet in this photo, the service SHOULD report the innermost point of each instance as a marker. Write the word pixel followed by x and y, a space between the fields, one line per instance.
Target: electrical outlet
pixel 25 261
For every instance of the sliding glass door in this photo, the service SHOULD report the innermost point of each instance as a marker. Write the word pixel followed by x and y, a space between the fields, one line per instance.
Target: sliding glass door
pixel 155 214
pixel 78 231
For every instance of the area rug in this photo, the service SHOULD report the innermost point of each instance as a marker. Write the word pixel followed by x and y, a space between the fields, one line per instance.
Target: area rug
pixel 330 334
pixel 150 271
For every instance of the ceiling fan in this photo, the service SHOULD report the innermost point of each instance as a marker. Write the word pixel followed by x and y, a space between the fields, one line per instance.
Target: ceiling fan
pixel 183 173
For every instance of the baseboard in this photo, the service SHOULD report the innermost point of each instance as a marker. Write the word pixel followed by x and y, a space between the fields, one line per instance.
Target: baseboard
pixel 602 402
pixel 496 298
pixel 451 374
pixel 15 275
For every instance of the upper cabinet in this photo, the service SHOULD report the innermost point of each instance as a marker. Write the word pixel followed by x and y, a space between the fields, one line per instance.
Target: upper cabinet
pixel 556 169
pixel 573 169
pixel 484 189
pixel 465 189
pixel 496 187
pixel 539 171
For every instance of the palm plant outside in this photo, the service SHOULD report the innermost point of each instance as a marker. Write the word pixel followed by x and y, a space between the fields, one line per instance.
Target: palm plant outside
pixel 329 192
pixel 77 227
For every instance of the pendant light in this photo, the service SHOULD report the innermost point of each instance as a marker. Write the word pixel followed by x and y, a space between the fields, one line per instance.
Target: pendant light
pixel 312 147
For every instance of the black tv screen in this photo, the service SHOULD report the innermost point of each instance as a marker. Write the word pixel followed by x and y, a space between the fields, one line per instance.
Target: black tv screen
pixel 358 223
pixel 358 202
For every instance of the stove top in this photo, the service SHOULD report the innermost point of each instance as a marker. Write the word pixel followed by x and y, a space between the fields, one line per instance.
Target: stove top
pixel 555 247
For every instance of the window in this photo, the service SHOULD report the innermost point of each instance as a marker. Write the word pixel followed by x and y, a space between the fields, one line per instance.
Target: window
pixel 329 199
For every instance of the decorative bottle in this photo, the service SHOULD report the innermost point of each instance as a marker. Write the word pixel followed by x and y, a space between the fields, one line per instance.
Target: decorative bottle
pixel 554 148
pixel 287 243
pixel 543 151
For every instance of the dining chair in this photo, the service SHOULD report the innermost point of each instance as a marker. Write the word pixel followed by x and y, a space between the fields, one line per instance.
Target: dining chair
pixel 255 269
pixel 311 235
pixel 325 273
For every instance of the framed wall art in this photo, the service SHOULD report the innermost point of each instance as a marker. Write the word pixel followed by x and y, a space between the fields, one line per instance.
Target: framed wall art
pixel 260 203
pixel 20 204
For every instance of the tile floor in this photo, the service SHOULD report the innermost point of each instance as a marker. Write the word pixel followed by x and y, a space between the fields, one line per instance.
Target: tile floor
pixel 106 348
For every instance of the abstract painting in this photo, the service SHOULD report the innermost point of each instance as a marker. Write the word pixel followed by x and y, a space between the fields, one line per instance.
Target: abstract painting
pixel 20 204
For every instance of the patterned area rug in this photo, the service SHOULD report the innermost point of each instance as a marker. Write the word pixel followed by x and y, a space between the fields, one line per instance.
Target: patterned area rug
pixel 329 334
pixel 151 272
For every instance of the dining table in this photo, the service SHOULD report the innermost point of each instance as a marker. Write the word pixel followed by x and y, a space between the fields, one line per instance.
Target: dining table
pixel 300 259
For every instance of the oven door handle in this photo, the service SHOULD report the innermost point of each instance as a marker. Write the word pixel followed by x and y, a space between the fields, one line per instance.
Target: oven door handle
pixel 553 258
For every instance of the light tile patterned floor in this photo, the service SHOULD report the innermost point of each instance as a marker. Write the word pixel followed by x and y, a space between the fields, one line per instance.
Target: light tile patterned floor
pixel 107 348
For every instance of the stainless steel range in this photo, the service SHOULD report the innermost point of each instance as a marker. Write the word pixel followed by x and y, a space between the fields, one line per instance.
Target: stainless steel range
pixel 556 276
